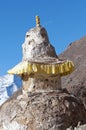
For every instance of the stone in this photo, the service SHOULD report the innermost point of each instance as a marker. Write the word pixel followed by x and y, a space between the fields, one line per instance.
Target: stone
pixel 55 110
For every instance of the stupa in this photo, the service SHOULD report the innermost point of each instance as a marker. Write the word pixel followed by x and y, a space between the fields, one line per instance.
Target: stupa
pixel 43 104
pixel 40 68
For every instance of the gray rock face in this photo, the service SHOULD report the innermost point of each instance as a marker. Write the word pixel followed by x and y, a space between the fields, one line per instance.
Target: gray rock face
pixel 55 110
pixel 82 127
pixel 76 52
pixel 76 81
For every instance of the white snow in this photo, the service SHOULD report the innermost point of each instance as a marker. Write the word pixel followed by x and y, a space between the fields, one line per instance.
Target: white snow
pixel 8 85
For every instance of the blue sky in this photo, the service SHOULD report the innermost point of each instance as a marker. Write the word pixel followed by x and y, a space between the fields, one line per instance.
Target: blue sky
pixel 65 21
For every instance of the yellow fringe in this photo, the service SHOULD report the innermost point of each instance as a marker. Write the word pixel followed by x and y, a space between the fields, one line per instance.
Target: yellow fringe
pixel 49 69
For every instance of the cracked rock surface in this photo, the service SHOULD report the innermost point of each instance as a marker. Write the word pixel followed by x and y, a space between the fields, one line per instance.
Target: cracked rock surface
pixel 55 110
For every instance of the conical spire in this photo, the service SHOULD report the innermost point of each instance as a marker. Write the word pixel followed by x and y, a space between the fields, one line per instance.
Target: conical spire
pixel 39 56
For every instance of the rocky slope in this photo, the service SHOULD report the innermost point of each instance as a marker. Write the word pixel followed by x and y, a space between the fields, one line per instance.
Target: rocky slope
pixel 76 51
pixel 76 81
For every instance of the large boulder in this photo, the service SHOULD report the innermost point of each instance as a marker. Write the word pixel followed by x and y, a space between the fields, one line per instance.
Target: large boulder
pixel 55 110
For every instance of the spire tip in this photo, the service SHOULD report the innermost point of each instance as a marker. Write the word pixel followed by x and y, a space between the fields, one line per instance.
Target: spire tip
pixel 37 20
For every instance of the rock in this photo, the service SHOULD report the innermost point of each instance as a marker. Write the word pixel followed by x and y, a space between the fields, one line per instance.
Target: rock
pixel 82 127
pixel 75 83
pixel 76 52
pixel 55 110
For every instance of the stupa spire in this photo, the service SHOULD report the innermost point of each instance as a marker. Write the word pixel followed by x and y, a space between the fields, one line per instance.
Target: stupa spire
pixel 37 20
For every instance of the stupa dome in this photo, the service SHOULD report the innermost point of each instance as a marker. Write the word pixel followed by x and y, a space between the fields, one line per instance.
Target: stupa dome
pixel 37 44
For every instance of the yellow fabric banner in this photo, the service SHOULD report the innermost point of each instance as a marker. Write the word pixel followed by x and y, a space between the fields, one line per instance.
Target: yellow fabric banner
pixel 50 69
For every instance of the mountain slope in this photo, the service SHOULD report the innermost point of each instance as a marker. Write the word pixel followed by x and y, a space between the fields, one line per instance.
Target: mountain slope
pixel 76 52
pixel 8 85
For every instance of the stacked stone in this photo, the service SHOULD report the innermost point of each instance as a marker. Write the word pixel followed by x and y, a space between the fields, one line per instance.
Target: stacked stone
pixel 43 105
pixel 40 69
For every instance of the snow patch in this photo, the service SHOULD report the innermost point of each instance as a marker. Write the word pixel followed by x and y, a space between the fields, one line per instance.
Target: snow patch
pixel 8 85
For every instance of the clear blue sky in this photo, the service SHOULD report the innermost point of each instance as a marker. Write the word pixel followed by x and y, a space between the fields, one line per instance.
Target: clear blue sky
pixel 65 21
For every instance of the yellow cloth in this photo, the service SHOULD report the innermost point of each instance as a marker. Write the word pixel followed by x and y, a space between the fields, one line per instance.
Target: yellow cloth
pixel 26 67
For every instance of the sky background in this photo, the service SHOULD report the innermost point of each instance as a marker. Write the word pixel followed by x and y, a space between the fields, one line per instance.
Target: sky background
pixel 64 20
